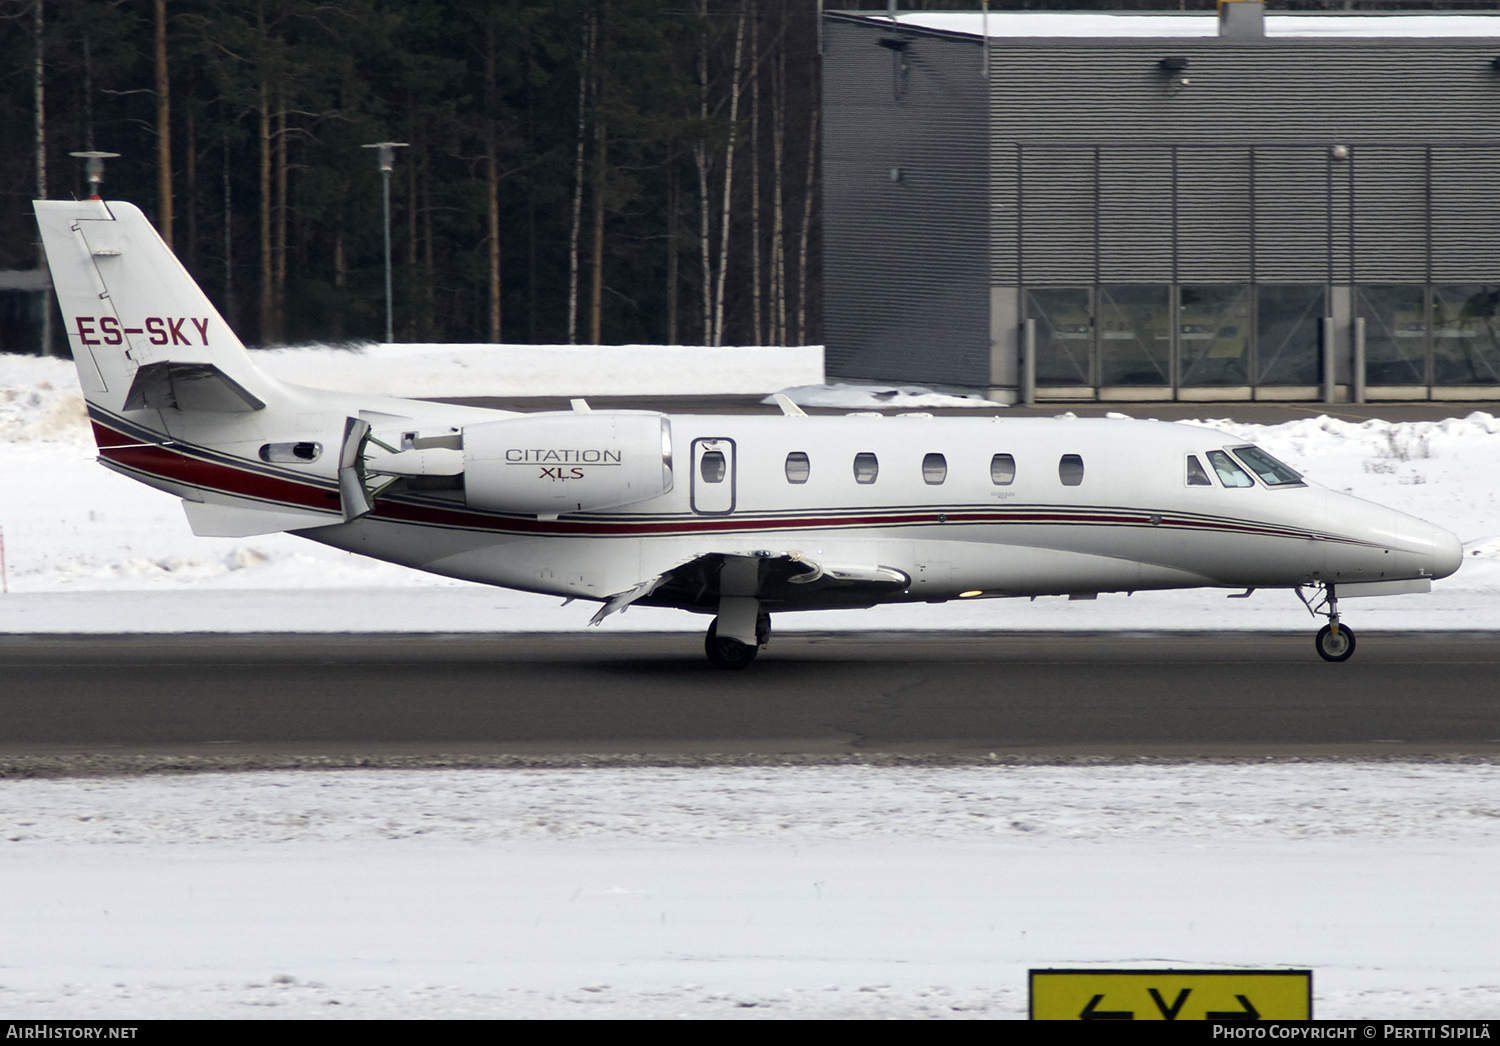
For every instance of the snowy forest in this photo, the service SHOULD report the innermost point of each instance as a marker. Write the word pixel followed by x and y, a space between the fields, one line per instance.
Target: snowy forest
pixel 590 171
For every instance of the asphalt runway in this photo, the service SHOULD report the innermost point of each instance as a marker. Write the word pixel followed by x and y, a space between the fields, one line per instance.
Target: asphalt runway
pixel 395 700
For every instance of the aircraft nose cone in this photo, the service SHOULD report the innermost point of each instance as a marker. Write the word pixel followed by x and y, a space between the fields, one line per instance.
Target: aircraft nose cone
pixel 1447 552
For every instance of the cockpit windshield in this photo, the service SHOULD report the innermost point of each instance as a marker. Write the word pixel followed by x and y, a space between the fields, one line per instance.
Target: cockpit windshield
pixel 1229 472
pixel 1272 473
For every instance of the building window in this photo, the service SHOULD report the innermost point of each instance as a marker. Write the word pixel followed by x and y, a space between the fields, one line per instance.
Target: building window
pixel 1213 335
pixel 1064 322
pixel 798 468
pixel 934 469
pixel 866 467
pixel 1135 335
pixel 1003 470
pixel 1070 470
pixel 1465 336
pixel 1395 334
pixel 1288 334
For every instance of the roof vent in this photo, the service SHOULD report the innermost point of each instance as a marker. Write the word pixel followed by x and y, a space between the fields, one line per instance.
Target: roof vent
pixel 1242 20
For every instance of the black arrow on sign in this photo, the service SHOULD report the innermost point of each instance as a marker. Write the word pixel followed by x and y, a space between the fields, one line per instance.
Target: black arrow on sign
pixel 1091 1014
pixel 1249 1013
pixel 1169 1013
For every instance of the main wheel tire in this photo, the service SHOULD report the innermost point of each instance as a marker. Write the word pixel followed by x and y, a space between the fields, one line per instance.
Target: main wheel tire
pixel 1335 646
pixel 724 652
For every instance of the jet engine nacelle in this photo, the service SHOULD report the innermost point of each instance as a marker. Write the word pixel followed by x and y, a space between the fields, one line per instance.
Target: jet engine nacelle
pixel 548 464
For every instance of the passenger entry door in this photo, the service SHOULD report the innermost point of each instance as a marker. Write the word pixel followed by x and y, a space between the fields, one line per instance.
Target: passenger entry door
pixel 713 476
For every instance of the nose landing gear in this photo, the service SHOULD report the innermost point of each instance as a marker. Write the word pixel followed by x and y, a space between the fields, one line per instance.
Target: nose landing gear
pixel 1334 642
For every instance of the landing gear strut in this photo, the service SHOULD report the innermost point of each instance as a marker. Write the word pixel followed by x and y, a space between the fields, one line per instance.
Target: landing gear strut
pixel 724 652
pixel 1335 642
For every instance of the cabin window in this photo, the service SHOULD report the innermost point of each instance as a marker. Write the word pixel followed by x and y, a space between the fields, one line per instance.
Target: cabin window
pixel 934 469
pixel 712 467
pixel 866 467
pixel 1003 470
pixel 798 468
pixel 293 452
pixel 1230 473
pixel 1070 470
pixel 1272 473
pixel 1196 476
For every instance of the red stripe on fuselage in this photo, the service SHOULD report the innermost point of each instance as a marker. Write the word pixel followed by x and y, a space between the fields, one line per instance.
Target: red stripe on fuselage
pixel 170 463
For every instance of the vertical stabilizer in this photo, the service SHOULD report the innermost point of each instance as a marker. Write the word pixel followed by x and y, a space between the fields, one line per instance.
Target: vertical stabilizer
pixel 143 335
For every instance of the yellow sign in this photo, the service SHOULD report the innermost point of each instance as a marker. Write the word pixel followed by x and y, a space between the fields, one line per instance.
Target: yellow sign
pixel 1171 995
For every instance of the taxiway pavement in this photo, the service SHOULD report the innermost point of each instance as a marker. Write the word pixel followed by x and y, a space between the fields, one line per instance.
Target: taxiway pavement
pixel 390 700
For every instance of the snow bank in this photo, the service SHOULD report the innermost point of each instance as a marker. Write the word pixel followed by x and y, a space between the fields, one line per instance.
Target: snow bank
pixel 432 371
pixel 739 892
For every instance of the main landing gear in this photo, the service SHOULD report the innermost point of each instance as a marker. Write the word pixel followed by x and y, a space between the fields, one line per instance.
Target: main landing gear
pixel 728 652
pixel 1335 642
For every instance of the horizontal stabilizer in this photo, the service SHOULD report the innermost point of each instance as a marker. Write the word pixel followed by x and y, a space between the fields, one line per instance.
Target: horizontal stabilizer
pixel 197 387
pixel 236 521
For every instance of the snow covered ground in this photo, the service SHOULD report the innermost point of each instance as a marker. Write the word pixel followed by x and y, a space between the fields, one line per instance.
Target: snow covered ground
pixel 87 549
pixel 739 892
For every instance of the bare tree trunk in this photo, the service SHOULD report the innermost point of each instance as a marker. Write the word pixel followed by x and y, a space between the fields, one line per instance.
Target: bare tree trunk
pixel 585 60
pixel 281 217
pixel 40 100
pixel 492 183
pixel 163 129
pixel 734 115
pixel 672 233
pixel 231 304
pixel 190 171
pixel 778 192
pixel 429 259
pixel 700 158
pixel 340 281
pixel 268 335
pixel 596 287
pixel 807 209
pixel 88 93
pixel 755 296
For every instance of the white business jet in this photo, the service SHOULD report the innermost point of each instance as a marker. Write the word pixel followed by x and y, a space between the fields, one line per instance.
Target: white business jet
pixel 731 516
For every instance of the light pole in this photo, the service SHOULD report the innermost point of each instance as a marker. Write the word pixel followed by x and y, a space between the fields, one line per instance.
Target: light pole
pixel 94 169
pixel 387 158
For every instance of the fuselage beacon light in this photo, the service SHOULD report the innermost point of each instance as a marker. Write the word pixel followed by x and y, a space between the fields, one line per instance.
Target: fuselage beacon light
pixel 731 516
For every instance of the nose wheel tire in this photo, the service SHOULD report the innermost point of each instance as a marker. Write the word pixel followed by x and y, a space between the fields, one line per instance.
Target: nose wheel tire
pixel 1335 646
pixel 724 652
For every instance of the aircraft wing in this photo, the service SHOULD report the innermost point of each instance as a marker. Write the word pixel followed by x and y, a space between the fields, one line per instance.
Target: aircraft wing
pixel 788 580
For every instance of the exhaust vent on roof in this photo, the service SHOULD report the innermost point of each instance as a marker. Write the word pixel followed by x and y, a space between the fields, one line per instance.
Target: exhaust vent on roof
pixel 1242 20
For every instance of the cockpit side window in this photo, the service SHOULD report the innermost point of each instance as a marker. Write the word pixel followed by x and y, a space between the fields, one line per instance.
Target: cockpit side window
pixel 1196 476
pixel 1230 473
pixel 1272 473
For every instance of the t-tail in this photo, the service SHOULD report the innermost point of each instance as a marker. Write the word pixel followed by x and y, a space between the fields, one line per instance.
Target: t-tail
pixel 144 336
pixel 174 399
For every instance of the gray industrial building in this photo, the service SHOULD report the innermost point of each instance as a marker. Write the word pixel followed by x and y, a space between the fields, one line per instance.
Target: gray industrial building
pixel 1173 206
